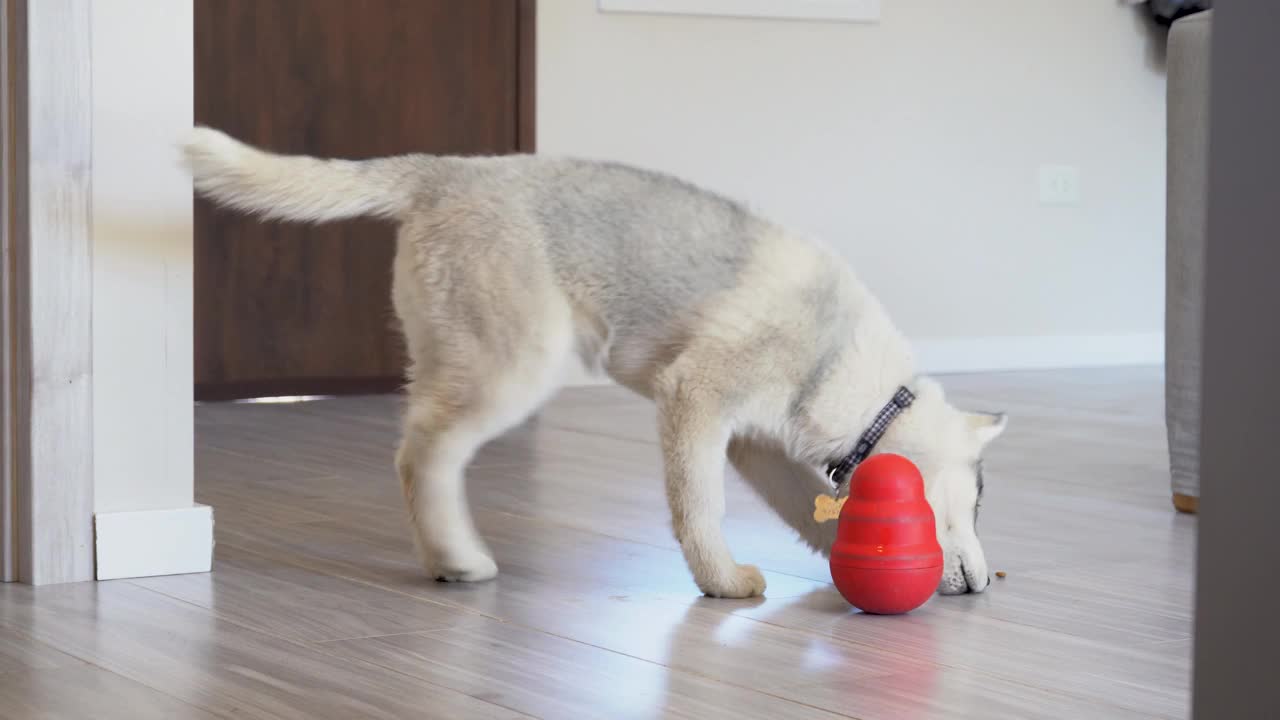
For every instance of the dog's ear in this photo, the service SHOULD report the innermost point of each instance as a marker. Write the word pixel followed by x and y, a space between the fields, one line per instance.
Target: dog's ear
pixel 986 426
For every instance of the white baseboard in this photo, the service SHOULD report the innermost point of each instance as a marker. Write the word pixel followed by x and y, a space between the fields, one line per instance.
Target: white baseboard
pixel 993 354
pixel 1038 352
pixel 840 10
pixel 154 542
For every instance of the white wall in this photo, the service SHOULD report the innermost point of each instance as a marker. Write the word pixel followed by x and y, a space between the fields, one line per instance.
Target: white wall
pixel 913 145
pixel 142 319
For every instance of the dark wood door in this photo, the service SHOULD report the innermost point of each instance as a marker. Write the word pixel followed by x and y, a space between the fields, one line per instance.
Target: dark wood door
pixel 284 309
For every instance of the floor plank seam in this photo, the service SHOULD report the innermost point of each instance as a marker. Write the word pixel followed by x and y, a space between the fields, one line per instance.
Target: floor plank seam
pixel 944 665
pixel 669 668
pixel 312 646
pixel 119 672
pixel 545 522
pixel 871 644
pixel 312 473
pixel 358 580
pixel 653 443
pixel 380 636
pixel 494 618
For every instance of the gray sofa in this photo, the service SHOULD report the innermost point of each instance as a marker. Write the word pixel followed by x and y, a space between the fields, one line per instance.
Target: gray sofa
pixel 1187 161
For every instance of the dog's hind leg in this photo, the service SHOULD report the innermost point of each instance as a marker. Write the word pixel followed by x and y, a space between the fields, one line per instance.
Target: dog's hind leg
pixel 432 460
pixel 787 486
pixel 489 338
pixel 449 416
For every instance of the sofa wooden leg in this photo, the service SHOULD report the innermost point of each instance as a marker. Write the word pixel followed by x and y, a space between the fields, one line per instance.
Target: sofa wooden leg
pixel 1186 503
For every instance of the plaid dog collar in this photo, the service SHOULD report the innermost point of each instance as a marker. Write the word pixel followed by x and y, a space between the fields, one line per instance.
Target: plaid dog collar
pixel 900 401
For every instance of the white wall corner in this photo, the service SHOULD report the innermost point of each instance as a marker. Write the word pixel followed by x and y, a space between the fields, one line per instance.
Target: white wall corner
pixel 145 543
pixel 1038 352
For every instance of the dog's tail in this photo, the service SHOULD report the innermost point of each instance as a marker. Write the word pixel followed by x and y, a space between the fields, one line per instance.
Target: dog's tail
pixel 297 187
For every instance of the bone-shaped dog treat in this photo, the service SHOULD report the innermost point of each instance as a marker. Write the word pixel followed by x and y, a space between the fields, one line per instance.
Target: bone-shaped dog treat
pixel 827 508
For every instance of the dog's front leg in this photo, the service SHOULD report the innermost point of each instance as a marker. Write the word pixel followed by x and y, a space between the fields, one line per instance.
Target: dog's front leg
pixel 694 436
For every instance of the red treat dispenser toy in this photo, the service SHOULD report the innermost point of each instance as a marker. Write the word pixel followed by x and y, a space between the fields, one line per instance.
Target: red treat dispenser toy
pixel 886 559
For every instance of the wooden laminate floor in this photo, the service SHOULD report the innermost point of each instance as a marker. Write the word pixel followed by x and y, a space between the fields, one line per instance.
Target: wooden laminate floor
pixel 316 609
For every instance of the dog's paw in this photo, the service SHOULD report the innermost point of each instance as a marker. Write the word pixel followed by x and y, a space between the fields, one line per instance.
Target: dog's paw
pixel 745 581
pixel 473 568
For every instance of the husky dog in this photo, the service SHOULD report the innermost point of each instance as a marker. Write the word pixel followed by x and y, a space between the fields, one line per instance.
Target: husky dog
pixel 759 347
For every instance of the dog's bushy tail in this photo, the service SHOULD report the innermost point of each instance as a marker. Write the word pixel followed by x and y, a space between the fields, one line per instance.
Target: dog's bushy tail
pixel 297 187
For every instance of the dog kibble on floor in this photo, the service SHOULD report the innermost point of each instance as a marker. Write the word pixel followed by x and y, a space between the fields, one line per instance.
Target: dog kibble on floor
pixel 1001 574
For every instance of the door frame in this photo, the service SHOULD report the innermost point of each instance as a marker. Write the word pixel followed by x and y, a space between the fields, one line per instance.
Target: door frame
pixel 46 292
pixel 9 196
pixel 526 75
pixel 525 102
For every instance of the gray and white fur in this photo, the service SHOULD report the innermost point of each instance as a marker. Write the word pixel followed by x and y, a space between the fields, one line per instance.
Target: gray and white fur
pixel 758 346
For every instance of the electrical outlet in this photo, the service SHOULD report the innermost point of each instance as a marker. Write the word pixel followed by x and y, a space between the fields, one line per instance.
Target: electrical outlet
pixel 1059 185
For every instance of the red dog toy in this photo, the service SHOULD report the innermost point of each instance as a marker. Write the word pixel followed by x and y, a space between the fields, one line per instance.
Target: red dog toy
pixel 886 559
